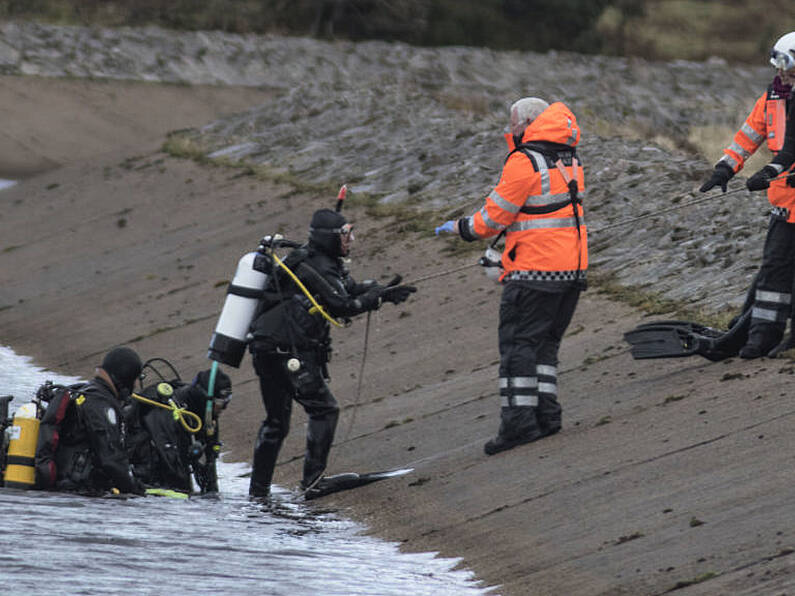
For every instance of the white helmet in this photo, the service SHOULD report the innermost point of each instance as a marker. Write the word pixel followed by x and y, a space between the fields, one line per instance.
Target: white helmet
pixel 782 55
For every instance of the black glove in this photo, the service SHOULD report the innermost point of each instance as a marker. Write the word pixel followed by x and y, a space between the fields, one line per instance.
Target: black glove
pixel 397 294
pixel 720 177
pixel 761 180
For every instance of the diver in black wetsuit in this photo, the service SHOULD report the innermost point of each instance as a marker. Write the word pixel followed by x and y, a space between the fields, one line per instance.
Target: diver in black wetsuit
pixel 291 343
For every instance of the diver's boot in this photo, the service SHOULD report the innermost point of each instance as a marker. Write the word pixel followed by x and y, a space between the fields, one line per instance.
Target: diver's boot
pixel 266 451
pixel 319 437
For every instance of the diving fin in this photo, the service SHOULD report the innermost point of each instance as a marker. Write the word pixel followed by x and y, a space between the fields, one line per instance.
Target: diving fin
pixel 339 482
pixel 671 339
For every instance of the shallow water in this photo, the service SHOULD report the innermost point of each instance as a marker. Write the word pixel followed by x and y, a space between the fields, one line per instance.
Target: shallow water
pixel 225 544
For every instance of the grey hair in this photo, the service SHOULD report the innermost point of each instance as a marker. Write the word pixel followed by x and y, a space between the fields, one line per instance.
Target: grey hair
pixel 524 111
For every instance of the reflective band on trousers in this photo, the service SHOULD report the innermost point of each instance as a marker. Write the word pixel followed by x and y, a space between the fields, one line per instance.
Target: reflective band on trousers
pixel 766 314
pixel 519 400
pixel 769 296
pixel 540 224
pixel 518 382
pixel 547 379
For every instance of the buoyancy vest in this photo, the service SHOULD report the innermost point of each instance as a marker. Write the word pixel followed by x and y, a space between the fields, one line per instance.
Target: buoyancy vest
pixel 766 123
pixel 545 232
pixel 50 436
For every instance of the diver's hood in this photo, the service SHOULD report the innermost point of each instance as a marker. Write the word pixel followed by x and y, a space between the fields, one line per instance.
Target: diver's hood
pixel 324 231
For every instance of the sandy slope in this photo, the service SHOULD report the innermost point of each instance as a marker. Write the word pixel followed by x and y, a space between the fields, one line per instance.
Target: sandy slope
pixel 666 473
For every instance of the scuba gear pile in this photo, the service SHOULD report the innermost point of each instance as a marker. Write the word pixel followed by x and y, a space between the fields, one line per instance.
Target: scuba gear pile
pixel 168 440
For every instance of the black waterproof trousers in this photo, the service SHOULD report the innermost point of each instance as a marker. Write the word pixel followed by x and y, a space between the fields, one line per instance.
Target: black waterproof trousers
pixel 532 324
pixel 278 388
pixel 772 300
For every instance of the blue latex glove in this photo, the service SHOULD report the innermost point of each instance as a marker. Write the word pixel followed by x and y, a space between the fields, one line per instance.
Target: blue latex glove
pixel 448 226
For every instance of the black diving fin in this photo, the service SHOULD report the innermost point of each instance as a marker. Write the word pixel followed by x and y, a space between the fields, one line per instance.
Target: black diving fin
pixel 671 339
pixel 339 482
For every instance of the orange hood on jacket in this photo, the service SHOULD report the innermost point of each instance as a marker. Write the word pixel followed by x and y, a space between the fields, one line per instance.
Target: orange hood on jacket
pixel 556 124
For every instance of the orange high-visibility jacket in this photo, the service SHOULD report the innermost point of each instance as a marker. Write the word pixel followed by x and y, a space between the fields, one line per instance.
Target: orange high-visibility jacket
pixel 544 241
pixel 767 121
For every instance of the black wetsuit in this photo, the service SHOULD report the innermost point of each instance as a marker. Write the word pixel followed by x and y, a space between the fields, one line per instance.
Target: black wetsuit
pixel 91 456
pixel 284 328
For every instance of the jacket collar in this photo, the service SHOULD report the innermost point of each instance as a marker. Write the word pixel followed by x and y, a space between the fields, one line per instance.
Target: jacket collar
pixel 103 376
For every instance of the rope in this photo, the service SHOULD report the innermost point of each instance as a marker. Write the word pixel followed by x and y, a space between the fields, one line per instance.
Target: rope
pixel 179 414
pixel 617 224
pixel 358 388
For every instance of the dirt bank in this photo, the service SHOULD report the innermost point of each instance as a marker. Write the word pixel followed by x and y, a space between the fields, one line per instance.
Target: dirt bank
pixel 669 475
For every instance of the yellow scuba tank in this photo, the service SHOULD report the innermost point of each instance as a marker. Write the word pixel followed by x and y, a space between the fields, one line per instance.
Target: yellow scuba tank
pixel 23 436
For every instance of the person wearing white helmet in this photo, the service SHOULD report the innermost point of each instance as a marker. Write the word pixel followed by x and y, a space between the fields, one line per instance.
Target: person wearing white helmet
pixel 770 297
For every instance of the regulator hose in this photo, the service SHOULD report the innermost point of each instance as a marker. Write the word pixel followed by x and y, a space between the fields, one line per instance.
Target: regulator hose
pixel 306 292
pixel 182 415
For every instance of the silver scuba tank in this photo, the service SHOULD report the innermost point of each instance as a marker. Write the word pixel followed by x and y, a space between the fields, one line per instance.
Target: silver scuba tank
pixel 228 343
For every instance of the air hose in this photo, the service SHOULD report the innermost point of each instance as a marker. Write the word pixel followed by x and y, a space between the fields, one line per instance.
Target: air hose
pixel 180 414
pixel 315 305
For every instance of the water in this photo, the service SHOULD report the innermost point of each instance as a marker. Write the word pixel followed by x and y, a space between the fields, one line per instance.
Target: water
pixel 217 545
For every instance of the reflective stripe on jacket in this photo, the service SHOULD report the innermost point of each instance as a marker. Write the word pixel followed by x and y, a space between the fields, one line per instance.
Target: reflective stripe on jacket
pixel 546 244
pixel 766 122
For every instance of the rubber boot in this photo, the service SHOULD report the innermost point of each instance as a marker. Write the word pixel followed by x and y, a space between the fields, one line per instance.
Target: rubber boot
pixel 548 414
pixel 518 426
pixel 762 338
pixel 319 436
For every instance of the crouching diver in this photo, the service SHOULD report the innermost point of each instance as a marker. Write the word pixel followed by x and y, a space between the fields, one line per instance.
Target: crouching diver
pixel 81 444
pixel 169 444
pixel 291 341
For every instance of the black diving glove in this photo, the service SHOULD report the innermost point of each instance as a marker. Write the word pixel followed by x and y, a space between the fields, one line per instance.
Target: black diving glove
pixel 397 294
pixel 720 177
pixel 761 180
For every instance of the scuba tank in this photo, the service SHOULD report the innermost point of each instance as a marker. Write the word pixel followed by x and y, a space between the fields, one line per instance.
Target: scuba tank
pixel 23 436
pixel 228 343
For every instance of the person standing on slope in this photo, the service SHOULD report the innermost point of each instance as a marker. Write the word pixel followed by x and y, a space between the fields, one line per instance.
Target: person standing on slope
pixel 537 205
pixel 291 344
pixel 770 298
